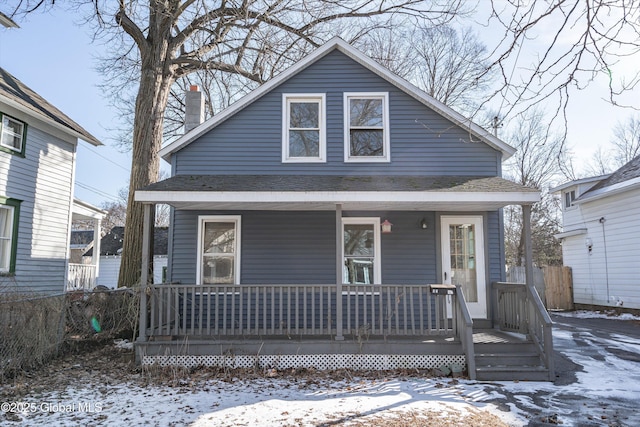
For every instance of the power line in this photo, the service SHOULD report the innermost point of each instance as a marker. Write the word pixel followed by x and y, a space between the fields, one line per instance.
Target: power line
pixel 92 149
pixel 97 191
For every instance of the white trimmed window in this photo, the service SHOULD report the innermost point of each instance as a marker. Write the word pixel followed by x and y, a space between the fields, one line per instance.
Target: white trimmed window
pixel 361 250
pixel 366 131
pixel 303 128
pixel 569 198
pixel 9 209
pixel 12 134
pixel 219 250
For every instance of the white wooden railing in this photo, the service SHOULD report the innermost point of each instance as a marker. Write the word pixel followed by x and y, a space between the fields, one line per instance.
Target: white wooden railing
pixel 286 310
pixel 81 277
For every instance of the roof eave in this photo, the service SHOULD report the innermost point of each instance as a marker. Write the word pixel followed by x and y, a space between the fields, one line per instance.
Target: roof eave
pixel 74 133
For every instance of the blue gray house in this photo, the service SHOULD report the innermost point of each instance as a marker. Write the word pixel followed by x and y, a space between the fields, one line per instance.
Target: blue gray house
pixel 338 216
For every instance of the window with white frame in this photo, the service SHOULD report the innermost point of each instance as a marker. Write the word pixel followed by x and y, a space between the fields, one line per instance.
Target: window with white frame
pixel 569 198
pixel 303 128
pixel 219 250
pixel 366 118
pixel 361 250
pixel 12 133
pixel 9 209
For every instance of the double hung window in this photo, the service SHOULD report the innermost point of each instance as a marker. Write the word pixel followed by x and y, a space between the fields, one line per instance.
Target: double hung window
pixel 366 119
pixel 9 212
pixel 219 249
pixel 303 126
pixel 361 250
pixel 12 134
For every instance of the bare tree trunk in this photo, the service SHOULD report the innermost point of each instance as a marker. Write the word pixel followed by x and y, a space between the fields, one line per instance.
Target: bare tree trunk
pixel 156 78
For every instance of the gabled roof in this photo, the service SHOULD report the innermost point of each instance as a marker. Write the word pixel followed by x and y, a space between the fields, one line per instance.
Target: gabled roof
pixel 576 182
pixel 111 243
pixel 623 179
pixel 337 43
pixel 19 96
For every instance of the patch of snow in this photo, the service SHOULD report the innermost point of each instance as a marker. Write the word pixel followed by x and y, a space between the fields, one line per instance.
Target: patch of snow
pixel 586 314
pixel 123 344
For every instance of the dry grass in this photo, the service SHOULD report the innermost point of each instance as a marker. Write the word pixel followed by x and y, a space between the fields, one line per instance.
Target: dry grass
pixel 35 329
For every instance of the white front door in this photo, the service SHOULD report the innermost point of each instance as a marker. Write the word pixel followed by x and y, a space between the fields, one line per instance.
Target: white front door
pixel 463 260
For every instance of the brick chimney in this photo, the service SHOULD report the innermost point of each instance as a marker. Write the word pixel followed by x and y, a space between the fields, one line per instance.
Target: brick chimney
pixel 193 108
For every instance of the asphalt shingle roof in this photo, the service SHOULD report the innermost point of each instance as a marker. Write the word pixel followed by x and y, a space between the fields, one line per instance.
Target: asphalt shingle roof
pixel 316 183
pixel 15 90
pixel 629 171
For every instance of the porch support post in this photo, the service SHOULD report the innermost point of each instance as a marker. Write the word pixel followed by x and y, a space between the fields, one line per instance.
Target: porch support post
pixel 339 335
pixel 95 259
pixel 144 273
pixel 146 245
pixel 528 248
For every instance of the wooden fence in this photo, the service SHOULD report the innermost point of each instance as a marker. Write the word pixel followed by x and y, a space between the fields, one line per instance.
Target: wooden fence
pixel 553 283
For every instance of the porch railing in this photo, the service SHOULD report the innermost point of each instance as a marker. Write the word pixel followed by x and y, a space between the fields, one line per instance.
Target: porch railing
pixel 520 309
pixel 287 310
pixel 81 277
pixel 464 324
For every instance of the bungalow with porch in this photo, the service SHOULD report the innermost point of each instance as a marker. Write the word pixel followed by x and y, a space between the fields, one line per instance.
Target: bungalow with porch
pixel 338 216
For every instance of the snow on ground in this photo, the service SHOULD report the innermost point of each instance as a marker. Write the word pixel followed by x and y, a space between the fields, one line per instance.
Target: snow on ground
pixel 261 402
pixel 607 314
pixel 606 387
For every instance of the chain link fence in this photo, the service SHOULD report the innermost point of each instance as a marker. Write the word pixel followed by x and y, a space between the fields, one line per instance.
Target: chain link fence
pixel 34 329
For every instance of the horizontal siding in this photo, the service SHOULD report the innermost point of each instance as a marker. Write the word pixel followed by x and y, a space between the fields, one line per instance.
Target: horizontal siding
pixel 43 181
pixel 299 247
pixel 422 141
pixel 615 253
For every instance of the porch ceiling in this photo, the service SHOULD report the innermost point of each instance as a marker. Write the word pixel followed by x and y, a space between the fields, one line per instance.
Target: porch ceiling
pixel 295 192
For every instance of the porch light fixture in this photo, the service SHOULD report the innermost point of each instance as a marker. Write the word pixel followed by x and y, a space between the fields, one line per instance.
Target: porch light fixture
pixel 424 224
pixel 386 226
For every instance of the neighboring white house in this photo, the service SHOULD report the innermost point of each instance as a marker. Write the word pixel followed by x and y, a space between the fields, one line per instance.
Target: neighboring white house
pixel 110 256
pixel 37 168
pixel 601 237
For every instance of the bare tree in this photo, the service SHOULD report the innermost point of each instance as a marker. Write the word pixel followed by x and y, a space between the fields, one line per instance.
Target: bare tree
pixel 155 43
pixel 625 147
pixel 535 164
pixel 626 140
pixel 448 64
pixel 580 41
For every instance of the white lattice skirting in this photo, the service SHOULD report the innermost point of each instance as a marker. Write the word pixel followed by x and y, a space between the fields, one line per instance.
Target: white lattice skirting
pixel 379 362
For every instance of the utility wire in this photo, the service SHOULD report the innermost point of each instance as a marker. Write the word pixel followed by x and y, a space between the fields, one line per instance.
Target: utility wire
pixel 93 150
pixel 97 191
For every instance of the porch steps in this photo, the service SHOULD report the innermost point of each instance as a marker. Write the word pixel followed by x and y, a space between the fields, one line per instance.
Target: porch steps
pixel 509 361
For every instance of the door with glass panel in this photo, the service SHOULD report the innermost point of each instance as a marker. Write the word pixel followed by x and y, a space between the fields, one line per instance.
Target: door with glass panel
pixel 463 260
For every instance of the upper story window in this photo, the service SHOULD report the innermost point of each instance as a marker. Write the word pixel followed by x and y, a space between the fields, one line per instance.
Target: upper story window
pixel 12 134
pixel 9 212
pixel 569 198
pixel 304 128
pixel 366 131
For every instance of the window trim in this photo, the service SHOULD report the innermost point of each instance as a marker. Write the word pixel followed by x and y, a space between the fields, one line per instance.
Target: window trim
pixel 14 207
pixel 377 240
pixel 202 219
pixel 567 194
pixel 386 140
pixel 23 142
pixel 321 99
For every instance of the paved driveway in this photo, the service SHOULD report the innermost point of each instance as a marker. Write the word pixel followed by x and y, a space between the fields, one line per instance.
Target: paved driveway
pixel 598 377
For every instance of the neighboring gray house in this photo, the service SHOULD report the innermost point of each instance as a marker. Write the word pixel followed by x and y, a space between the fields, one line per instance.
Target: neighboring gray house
pixel 601 235
pixel 37 164
pixel 321 206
